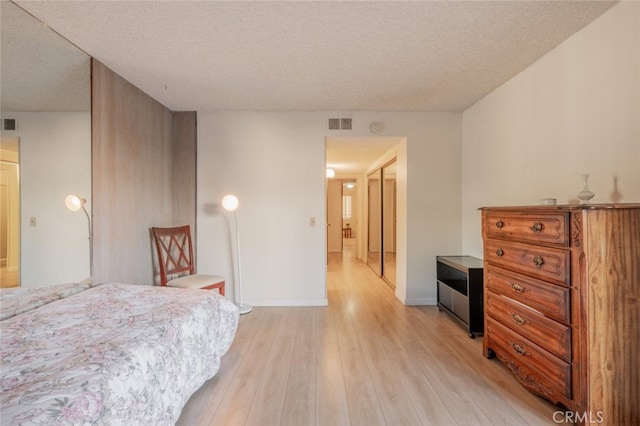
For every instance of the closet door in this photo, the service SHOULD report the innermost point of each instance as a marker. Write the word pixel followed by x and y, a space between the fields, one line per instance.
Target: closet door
pixel 374 234
pixel 389 223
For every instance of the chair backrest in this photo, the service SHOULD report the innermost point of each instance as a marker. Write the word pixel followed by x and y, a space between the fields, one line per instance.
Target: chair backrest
pixel 175 251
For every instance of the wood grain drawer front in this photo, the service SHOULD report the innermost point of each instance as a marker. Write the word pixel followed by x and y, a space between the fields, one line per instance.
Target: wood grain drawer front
pixel 550 299
pixel 541 262
pixel 549 334
pixel 546 228
pixel 529 362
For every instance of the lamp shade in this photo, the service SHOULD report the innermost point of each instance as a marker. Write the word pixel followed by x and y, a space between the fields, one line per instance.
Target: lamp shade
pixel 230 202
pixel 74 203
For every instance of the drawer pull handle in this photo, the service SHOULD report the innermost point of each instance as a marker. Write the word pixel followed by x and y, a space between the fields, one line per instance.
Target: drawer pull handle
pixel 538 261
pixel 500 224
pixel 517 288
pixel 518 349
pixel 500 252
pixel 537 227
pixel 518 319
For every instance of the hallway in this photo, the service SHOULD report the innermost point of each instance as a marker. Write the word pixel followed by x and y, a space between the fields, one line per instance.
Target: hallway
pixel 366 359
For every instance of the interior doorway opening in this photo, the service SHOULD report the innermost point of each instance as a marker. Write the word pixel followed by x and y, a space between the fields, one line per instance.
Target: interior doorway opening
pixel 353 159
pixel 9 212
pixel 348 219
pixel 342 215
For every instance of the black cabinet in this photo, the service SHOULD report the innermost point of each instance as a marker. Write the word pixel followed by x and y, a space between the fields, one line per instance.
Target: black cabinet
pixel 459 280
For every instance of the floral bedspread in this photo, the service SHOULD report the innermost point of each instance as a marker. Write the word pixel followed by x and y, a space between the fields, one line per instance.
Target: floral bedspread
pixel 114 354
pixel 15 301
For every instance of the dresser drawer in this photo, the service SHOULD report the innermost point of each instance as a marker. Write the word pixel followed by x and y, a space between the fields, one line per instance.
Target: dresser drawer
pixel 549 334
pixel 535 368
pixel 550 299
pixel 540 227
pixel 541 262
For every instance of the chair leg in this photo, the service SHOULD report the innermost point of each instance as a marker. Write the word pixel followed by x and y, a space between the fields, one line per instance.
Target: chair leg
pixel 220 286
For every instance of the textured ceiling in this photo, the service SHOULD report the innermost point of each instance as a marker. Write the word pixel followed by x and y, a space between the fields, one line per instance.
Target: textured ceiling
pixel 316 55
pixel 284 56
pixel 39 70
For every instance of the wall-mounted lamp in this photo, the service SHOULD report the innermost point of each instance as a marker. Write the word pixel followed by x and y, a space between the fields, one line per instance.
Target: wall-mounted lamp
pixel 330 173
pixel 75 203
pixel 230 203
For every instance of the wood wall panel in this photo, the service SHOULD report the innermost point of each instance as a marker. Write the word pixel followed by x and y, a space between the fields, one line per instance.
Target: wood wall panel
pixel 132 177
pixel 183 170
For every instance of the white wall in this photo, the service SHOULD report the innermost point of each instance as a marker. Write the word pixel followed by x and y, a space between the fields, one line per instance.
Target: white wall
pixel 433 204
pixel 274 163
pixel 574 111
pixel 55 161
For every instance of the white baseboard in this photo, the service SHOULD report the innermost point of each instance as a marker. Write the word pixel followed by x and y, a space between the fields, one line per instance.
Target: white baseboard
pixel 324 302
pixel 313 302
pixel 421 302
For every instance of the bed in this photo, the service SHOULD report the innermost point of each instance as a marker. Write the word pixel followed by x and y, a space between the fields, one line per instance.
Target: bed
pixel 108 354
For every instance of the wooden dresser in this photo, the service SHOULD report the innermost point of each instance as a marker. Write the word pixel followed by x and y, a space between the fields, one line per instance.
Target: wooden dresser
pixel 562 304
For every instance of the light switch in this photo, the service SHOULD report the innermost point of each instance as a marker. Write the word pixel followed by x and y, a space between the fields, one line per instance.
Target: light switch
pixel 312 221
pixel 32 221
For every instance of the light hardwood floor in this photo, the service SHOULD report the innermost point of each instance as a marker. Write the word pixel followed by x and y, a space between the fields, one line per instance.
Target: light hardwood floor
pixel 8 278
pixel 366 359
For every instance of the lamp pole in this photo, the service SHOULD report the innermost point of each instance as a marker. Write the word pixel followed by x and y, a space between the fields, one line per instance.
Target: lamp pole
pixel 90 239
pixel 231 203
pixel 75 203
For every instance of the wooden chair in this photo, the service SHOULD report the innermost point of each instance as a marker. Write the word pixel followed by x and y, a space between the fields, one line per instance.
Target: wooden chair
pixel 175 256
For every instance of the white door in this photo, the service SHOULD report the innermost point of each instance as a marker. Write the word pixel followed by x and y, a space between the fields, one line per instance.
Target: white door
pixel 334 216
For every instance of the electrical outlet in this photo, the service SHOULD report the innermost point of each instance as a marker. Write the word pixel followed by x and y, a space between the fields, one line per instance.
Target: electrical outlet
pixel 312 221
pixel 32 221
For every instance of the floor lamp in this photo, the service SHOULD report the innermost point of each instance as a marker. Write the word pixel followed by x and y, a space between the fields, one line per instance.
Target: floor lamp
pixel 75 203
pixel 230 203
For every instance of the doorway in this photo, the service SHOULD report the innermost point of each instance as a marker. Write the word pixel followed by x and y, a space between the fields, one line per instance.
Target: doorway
pixel 354 159
pixel 349 215
pixel 334 215
pixel 342 214
pixel 9 212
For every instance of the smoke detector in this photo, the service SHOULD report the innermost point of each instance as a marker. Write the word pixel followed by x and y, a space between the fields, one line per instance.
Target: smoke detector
pixel 376 127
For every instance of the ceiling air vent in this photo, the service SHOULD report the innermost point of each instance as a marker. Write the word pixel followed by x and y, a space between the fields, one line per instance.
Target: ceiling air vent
pixel 340 123
pixel 9 124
